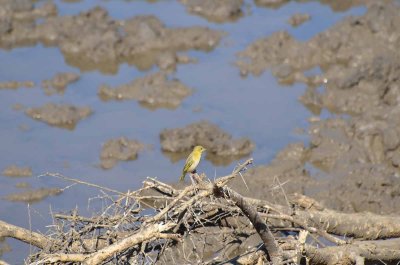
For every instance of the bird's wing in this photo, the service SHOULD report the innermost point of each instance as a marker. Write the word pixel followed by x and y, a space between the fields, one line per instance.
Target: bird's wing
pixel 189 163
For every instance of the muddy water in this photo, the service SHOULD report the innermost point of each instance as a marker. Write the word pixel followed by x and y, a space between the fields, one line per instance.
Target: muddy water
pixel 254 107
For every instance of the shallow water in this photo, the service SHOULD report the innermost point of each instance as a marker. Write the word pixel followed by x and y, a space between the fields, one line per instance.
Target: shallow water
pixel 255 107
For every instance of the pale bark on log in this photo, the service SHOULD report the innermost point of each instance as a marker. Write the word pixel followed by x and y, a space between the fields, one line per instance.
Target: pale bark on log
pixel 147 233
pixel 358 225
pixel 22 234
pixel 387 250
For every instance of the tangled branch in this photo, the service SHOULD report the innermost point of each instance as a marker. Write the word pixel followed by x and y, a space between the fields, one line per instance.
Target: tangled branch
pixel 209 222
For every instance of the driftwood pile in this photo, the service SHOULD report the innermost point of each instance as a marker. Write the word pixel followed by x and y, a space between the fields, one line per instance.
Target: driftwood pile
pixel 209 223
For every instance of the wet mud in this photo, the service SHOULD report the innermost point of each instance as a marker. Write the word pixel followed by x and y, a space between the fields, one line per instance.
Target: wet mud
pixel 352 160
pixel 152 91
pixel 93 40
pixel 16 84
pixel 33 195
pixel 221 146
pixel 337 6
pixel 285 175
pixel 216 11
pixel 355 153
pixel 22 185
pixel 4 247
pixel 59 115
pixel 298 19
pixel 59 83
pixel 16 171
pixel 121 149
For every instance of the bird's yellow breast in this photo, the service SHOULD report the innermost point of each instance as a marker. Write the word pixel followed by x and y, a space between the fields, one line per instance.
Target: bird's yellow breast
pixel 196 156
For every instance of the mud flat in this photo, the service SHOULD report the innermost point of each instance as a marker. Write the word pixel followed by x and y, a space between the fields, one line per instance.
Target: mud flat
pixel 221 147
pixel 357 154
pixel 59 115
pixel 59 83
pixel 284 175
pixel 217 11
pixel 120 149
pixel 152 91
pixel 16 171
pixel 93 40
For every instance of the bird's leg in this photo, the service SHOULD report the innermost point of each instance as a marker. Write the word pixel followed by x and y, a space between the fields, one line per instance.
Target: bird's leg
pixel 192 177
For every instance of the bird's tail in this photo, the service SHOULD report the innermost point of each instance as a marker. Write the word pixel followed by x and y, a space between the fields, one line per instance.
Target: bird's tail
pixel 182 178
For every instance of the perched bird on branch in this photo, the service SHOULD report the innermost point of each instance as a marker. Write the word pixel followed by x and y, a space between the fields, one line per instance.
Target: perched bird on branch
pixel 192 161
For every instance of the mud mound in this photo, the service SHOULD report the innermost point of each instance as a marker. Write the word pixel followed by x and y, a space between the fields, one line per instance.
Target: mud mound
pixel 93 40
pixel 217 11
pixel 218 143
pixel 59 83
pixel 33 195
pixel 63 116
pixel 153 91
pixel 356 156
pixel 121 149
pixel 298 19
pixel 16 84
pixel 16 171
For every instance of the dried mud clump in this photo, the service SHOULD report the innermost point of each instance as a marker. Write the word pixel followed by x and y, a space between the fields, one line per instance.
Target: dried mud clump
pixel 16 84
pixel 31 196
pixel 152 91
pixel 15 171
pixel 298 19
pixel 59 83
pixel 121 149
pixel 218 143
pixel 63 116
pixel 218 11
pixel 93 40
pixel 271 3
pixel 13 11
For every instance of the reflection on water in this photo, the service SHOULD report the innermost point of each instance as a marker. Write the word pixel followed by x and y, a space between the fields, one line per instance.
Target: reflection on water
pixel 254 107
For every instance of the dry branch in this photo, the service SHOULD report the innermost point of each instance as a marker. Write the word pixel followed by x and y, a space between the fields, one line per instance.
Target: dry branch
pixel 209 217
pixel 387 250
pixel 357 225
pixel 22 234
pixel 273 250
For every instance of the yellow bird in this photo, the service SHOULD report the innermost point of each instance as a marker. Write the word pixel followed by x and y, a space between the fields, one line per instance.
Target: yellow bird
pixel 192 161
